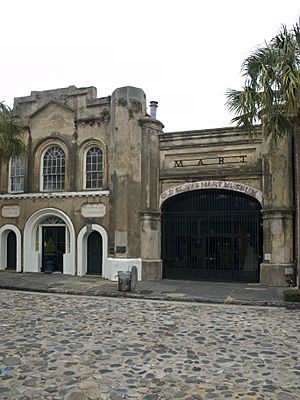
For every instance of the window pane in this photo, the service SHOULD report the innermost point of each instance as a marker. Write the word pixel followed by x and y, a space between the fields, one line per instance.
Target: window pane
pixel 94 168
pixel 17 174
pixel 54 169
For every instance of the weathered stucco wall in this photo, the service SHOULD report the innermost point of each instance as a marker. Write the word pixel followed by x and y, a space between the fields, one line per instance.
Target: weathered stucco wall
pixel 140 162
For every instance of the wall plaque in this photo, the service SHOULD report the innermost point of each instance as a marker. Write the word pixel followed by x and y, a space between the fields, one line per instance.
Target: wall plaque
pixel 10 211
pixel 93 210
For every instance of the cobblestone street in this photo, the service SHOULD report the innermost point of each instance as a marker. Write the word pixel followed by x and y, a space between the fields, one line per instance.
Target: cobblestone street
pixel 75 348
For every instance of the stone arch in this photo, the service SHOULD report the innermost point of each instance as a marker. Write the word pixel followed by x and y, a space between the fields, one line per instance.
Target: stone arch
pixel 213 184
pixel 32 258
pixel 82 249
pixel 4 231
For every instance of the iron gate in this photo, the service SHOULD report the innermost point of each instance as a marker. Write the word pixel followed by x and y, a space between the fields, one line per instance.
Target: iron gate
pixel 211 234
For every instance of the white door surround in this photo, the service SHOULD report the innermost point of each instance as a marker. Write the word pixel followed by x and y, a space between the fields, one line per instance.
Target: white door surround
pixel 32 256
pixel 82 250
pixel 4 231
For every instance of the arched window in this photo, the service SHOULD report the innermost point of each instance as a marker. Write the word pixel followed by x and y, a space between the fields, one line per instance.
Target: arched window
pixel 17 167
pixel 94 168
pixel 54 169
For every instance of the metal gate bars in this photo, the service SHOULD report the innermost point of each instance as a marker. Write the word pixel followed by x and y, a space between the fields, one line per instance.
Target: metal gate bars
pixel 211 234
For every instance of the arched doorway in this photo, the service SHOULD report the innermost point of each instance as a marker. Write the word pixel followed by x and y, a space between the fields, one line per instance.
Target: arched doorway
pixel 41 226
pixel 10 248
pixel 53 233
pixel 211 234
pixel 11 251
pixel 94 253
pixel 82 247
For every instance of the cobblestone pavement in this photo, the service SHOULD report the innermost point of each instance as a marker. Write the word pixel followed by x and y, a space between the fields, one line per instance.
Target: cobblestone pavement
pixel 75 348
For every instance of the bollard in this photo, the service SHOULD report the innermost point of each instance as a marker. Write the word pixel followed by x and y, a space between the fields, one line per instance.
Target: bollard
pixel 134 278
pixel 124 281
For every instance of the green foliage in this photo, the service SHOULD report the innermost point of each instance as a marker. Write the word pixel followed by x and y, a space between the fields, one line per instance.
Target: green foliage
pixel 291 295
pixel 50 247
pixel 271 91
pixel 11 133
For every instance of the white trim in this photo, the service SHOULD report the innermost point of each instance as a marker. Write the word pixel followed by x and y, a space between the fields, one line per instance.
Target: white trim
pixel 4 231
pixel 42 164
pixel 48 195
pixel 82 250
pixel 95 144
pixel 123 264
pixel 32 258
pixel 212 184
pixel 9 175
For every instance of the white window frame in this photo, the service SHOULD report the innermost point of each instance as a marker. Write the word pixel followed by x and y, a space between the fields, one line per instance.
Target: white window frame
pixel 85 171
pixel 42 169
pixel 10 186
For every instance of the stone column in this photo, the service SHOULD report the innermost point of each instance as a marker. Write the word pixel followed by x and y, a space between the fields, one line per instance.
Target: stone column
pixel 278 210
pixel 128 105
pixel 150 251
pixel 150 213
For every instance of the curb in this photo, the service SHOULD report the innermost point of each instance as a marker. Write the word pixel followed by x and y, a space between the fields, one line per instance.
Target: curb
pixel 288 305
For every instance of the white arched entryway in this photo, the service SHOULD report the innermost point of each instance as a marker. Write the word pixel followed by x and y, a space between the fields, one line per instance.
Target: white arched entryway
pixel 4 231
pixel 82 249
pixel 33 253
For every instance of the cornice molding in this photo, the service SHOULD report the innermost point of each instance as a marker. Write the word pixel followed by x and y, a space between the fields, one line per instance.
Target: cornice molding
pixel 54 195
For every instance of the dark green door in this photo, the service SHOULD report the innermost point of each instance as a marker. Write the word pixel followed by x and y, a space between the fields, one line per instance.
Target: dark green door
pixel 94 253
pixel 11 250
pixel 57 235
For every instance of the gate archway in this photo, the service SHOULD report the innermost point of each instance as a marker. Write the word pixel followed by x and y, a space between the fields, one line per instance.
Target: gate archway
pixel 211 234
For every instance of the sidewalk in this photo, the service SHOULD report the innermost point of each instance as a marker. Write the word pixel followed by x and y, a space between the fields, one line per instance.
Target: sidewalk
pixel 197 291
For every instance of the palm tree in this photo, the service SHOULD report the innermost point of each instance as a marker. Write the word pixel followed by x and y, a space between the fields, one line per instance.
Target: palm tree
pixel 11 130
pixel 271 96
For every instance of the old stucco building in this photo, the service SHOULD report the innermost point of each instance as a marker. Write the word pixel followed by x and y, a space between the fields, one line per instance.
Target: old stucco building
pixel 106 188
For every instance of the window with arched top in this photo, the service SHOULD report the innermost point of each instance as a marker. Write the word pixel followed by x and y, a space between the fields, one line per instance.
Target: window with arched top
pixel 54 165
pixel 17 169
pixel 94 168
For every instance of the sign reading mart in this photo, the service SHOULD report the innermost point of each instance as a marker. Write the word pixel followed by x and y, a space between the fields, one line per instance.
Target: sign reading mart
pixel 189 186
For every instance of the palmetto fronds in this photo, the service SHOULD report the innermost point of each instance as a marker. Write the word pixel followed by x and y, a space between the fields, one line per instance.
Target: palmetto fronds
pixel 271 91
pixel 11 143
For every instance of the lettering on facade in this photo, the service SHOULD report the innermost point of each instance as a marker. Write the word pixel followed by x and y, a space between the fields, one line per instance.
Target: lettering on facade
pixel 197 162
pixel 93 210
pixel 10 211
pixel 186 187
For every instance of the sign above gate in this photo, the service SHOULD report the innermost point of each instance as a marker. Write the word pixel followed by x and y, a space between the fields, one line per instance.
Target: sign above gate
pixel 203 161
pixel 189 186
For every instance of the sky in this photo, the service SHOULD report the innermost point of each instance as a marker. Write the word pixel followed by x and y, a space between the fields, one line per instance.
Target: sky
pixel 183 54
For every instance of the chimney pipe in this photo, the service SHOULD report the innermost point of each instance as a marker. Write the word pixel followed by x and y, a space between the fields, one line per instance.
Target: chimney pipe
pixel 153 107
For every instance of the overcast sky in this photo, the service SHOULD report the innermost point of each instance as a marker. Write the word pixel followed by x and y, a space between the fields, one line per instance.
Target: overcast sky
pixel 184 54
